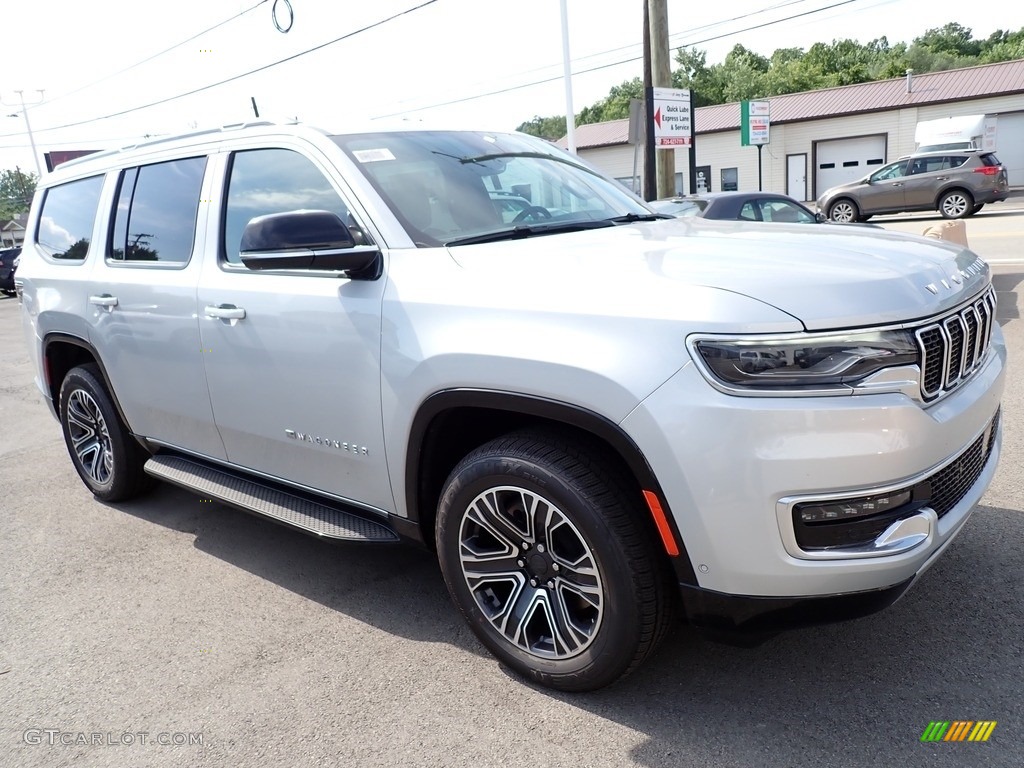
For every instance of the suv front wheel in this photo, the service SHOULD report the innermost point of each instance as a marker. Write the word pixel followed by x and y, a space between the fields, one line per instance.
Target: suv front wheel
pixel 843 210
pixel 544 552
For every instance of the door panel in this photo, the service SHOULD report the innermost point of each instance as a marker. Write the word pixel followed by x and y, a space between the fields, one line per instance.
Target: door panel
pixel 293 360
pixel 142 305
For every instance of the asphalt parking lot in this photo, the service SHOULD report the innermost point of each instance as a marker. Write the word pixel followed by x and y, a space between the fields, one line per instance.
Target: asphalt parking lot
pixel 170 632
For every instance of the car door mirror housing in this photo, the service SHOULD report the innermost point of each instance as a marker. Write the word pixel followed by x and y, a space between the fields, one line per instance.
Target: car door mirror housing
pixel 305 240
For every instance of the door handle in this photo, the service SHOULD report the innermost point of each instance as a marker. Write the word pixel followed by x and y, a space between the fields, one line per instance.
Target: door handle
pixel 225 312
pixel 897 183
pixel 104 300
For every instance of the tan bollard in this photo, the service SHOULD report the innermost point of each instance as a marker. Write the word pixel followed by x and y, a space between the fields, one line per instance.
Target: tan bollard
pixel 955 231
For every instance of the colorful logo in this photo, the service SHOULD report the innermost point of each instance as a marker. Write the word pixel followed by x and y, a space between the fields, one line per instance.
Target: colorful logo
pixel 958 730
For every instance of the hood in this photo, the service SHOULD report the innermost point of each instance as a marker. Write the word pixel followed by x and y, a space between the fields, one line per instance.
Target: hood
pixel 824 276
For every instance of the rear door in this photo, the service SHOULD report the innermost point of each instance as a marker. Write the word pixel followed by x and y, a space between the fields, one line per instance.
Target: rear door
pixel 142 304
pixel 927 177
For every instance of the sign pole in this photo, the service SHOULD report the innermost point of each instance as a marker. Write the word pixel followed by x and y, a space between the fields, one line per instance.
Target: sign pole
pixel 693 144
pixel 760 188
pixel 650 159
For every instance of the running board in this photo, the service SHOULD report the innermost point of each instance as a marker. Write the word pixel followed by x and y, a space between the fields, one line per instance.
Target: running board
pixel 295 511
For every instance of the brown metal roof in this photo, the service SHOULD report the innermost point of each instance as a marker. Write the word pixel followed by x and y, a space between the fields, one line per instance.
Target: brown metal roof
pixel 1004 78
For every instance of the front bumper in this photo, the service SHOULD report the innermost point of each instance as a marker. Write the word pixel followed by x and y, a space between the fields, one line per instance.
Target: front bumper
pixel 727 463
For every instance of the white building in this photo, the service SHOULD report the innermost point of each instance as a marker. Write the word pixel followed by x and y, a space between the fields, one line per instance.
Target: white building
pixel 822 138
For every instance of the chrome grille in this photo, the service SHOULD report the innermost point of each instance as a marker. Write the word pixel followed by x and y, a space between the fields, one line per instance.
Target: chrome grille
pixel 953 346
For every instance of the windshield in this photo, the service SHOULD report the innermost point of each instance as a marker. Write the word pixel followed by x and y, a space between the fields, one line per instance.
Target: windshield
pixel 454 187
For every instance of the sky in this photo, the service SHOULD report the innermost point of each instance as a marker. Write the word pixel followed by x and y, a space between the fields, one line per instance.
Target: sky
pixel 108 73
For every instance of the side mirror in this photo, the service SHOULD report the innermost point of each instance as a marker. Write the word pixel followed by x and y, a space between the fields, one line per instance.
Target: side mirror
pixel 311 240
pixel 820 217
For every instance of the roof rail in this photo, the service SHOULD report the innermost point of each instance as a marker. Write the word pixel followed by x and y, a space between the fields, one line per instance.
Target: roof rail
pixel 174 137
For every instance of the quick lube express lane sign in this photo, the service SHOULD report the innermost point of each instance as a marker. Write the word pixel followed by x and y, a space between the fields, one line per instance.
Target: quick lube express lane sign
pixel 672 118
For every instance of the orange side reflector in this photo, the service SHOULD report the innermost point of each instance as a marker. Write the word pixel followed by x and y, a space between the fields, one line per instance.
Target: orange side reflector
pixel 664 529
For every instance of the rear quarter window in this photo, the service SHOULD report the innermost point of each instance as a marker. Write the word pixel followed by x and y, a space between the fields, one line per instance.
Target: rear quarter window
pixel 67 217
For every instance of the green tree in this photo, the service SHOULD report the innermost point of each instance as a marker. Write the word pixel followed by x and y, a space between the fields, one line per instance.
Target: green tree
pixel 1003 46
pixel 615 105
pixel 16 190
pixel 953 39
pixel 745 74
pixel 550 128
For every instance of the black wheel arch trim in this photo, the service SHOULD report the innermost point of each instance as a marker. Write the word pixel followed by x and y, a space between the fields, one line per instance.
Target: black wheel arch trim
pixel 77 341
pixel 550 410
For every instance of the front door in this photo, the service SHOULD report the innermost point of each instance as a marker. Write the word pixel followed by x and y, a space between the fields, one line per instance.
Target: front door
pixel 884 189
pixel 293 360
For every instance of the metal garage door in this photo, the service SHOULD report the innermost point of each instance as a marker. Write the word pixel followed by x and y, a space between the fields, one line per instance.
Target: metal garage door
pixel 1010 145
pixel 838 161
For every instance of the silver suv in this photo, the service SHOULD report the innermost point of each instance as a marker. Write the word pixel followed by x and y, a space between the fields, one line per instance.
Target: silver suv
pixel 956 184
pixel 601 421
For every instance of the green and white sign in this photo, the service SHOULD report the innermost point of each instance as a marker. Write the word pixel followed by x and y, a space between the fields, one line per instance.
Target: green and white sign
pixel 754 122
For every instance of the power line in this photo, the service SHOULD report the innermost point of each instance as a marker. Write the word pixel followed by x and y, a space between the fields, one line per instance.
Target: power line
pixel 239 76
pixel 633 46
pixel 452 101
pixel 155 55
pixel 614 63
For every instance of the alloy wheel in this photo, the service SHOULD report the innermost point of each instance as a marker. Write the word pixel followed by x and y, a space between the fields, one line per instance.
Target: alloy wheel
pixel 843 211
pixel 531 572
pixel 90 439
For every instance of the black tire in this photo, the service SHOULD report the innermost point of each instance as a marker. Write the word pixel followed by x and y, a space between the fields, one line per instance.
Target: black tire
pixel 601 597
pixel 844 210
pixel 956 204
pixel 106 456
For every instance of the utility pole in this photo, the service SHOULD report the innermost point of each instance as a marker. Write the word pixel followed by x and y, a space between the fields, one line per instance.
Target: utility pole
pixel 661 77
pixel 650 175
pixel 28 126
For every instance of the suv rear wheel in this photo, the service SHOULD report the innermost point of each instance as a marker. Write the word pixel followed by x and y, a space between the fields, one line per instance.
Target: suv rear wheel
pixel 104 453
pixel 544 552
pixel 843 210
pixel 956 204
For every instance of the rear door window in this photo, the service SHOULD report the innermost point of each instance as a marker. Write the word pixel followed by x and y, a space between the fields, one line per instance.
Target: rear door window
pixel 156 212
pixel 67 218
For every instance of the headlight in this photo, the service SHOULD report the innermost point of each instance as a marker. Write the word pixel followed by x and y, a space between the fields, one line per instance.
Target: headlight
pixel 805 361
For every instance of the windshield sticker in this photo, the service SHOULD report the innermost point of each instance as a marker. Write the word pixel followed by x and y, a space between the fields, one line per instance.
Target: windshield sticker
pixel 373 155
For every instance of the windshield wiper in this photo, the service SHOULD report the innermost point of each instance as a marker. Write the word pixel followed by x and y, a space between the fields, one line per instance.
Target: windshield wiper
pixel 530 230
pixel 629 218
pixel 537 155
